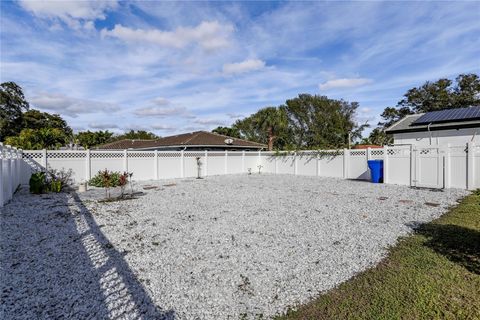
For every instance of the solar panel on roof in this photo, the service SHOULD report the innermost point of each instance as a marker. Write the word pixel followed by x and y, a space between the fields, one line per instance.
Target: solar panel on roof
pixel 461 114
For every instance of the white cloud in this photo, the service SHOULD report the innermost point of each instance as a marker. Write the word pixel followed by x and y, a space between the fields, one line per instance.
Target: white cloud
pixel 162 112
pixel 70 106
pixel 235 115
pixel 210 35
pixel 160 101
pixel 163 127
pixel 73 13
pixel 213 122
pixel 244 66
pixel 344 83
pixel 102 126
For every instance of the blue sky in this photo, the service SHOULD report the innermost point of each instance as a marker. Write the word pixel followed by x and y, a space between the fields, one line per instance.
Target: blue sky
pixel 173 67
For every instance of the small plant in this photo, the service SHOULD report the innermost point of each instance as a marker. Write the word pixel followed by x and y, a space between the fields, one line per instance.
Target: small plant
pixel 249 171
pixel 106 181
pixel 123 184
pixel 97 180
pixel 259 168
pixel 37 182
pixel 55 186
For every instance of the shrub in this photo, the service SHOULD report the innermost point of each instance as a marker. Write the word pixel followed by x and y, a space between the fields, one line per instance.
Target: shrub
pixel 37 182
pixel 99 179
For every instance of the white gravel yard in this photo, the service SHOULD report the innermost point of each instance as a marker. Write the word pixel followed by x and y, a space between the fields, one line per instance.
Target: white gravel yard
pixel 225 247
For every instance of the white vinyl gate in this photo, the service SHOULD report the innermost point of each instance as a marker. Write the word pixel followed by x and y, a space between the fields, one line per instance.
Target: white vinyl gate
pixel 428 167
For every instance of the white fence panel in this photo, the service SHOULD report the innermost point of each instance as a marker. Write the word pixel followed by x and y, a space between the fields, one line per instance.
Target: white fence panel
pixel 456 167
pixel 357 165
pixel 268 162
pixel 428 167
pixel 169 165
pixel 216 163
pixel 286 164
pixel 101 160
pixel 10 172
pixel 397 164
pixel 190 166
pixel 331 163
pixel 307 163
pixel 252 161
pixel 74 160
pixel 234 163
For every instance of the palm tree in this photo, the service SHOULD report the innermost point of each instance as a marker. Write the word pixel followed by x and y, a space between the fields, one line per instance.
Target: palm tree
pixel 271 120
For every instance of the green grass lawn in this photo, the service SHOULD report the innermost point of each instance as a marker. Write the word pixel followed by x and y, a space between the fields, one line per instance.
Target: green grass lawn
pixel 432 274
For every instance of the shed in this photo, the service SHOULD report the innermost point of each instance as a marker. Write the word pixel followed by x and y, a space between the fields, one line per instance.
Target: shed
pixel 451 126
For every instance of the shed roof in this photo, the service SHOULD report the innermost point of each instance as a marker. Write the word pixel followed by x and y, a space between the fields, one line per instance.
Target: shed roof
pixel 406 125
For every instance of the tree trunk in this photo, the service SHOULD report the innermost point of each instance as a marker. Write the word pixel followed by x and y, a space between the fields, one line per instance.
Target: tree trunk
pixel 270 138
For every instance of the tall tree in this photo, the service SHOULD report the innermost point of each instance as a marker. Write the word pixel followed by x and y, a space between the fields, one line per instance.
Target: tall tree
pixel 36 139
pixel 34 119
pixel 227 131
pixel 88 139
pixel 134 135
pixel 438 95
pixel 12 105
pixel 320 122
pixel 268 125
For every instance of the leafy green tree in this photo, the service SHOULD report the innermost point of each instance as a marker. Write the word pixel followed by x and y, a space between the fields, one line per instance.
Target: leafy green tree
pixel 136 135
pixel 227 131
pixel 268 125
pixel 378 137
pixel 12 104
pixel 36 139
pixel 433 96
pixel 35 119
pixel 320 122
pixel 88 139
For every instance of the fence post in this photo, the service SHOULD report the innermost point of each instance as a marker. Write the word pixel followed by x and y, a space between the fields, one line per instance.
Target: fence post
pixel 88 170
pixel 276 163
pixel 19 166
pixel 243 161
pixel 226 160
pixel 446 166
pixel 2 177
pixel 317 156
pixel 259 157
pixel 155 166
pixel 346 158
pixel 125 160
pixel 8 174
pixel 206 164
pixel 44 159
pixel 385 164
pixel 412 165
pixel 295 168
pixel 13 168
pixel 470 167
pixel 182 164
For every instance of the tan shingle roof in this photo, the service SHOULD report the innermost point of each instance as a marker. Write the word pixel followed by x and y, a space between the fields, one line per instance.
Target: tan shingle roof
pixel 197 139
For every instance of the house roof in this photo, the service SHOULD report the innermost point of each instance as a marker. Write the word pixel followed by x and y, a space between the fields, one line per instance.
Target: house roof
pixel 406 124
pixel 192 139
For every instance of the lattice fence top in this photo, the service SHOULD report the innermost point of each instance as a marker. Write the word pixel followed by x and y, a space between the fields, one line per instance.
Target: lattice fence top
pixel 107 155
pixel 66 155
pixel 194 154
pixel 358 152
pixel 140 154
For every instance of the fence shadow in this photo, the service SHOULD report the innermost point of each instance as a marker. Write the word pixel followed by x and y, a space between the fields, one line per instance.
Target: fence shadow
pixel 459 245
pixel 73 269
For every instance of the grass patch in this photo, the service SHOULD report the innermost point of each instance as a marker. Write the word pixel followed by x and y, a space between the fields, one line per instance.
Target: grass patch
pixel 432 274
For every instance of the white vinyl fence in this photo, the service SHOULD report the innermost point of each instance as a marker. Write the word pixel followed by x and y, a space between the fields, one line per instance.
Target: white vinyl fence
pixel 11 167
pixel 431 167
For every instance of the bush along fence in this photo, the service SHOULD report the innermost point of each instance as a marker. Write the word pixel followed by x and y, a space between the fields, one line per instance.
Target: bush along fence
pixel 427 166
pixel 11 169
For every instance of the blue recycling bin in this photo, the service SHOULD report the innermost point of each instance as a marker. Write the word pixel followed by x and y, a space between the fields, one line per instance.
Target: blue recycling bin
pixel 376 170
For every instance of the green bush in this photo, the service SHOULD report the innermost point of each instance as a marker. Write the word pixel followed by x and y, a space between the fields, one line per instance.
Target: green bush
pixel 37 182
pixel 55 186
pixel 98 180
